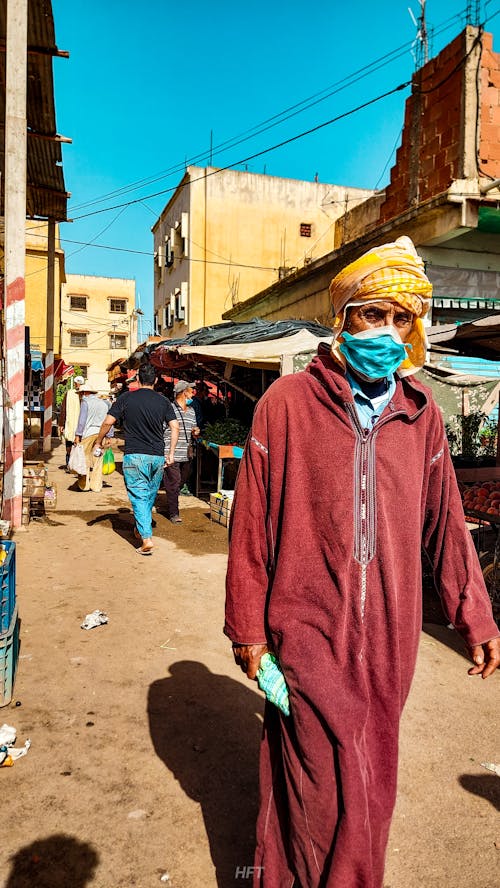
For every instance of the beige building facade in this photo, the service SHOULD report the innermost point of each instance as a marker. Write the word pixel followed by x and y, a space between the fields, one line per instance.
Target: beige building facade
pixel 98 324
pixel 227 234
pixel 36 280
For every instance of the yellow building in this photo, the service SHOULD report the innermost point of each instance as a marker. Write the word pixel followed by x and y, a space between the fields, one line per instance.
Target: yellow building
pixel 36 285
pixel 98 324
pixel 227 234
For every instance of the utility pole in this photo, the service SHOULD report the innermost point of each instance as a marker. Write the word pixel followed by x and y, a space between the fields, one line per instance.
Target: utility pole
pixel 421 56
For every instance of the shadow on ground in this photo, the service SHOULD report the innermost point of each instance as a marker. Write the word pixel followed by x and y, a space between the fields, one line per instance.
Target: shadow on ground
pixel 449 637
pixel 485 785
pixel 122 522
pixel 59 861
pixel 206 728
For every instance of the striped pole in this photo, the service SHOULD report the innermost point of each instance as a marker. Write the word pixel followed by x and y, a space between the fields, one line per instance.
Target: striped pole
pixel 14 403
pixel 15 221
pixel 48 401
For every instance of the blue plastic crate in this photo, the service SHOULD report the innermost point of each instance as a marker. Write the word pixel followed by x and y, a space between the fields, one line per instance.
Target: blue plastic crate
pixel 9 655
pixel 7 584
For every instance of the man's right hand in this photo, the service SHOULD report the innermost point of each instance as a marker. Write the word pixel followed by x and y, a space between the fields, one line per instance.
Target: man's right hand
pixel 248 656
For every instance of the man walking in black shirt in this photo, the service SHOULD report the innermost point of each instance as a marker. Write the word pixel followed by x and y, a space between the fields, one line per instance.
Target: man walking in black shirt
pixel 144 414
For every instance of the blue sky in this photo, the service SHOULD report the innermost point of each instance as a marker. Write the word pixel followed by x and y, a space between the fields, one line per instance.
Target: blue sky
pixel 146 86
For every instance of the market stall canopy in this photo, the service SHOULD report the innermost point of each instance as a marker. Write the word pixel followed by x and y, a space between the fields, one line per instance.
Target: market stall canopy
pixel 479 339
pixel 453 391
pixel 257 344
pixel 62 370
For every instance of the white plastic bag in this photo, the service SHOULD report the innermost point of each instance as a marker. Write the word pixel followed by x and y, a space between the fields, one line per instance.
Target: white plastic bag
pixel 77 462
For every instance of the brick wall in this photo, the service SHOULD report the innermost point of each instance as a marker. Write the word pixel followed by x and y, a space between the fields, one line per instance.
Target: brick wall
pixel 436 127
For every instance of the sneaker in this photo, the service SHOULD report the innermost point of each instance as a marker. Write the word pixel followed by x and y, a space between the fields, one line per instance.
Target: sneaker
pixel 176 519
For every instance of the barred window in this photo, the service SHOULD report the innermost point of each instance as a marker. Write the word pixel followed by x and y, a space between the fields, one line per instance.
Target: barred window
pixel 118 306
pixel 118 340
pixel 78 340
pixel 305 229
pixel 78 303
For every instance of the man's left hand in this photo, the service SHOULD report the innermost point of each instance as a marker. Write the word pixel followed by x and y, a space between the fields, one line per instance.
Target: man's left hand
pixel 169 460
pixel 486 657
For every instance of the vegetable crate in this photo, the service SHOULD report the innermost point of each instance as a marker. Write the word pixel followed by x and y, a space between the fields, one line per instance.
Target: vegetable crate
pixel 220 508
pixel 7 583
pixel 35 480
pixel 9 655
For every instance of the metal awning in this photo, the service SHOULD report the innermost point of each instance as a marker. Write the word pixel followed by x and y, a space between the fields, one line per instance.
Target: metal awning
pixel 479 338
pixel 266 355
pixel 46 195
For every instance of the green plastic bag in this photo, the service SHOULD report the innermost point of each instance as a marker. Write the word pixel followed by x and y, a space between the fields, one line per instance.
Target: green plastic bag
pixel 271 680
pixel 108 462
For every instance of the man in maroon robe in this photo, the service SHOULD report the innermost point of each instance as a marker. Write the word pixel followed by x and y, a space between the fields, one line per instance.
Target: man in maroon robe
pixel 345 475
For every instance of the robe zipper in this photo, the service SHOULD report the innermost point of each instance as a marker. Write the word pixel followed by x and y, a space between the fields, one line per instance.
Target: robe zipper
pixel 365 506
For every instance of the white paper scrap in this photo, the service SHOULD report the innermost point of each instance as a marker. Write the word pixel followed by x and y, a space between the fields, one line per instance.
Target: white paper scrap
pixel 8 735
pixel 490 766
pixel 96 618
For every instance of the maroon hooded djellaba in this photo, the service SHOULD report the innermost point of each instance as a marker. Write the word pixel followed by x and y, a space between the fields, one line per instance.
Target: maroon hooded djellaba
pixel 325 563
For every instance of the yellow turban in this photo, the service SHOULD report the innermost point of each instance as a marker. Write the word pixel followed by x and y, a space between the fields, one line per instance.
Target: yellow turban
pixel 392 272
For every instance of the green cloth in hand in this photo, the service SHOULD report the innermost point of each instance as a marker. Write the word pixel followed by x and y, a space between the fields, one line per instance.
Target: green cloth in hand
pixel 271 680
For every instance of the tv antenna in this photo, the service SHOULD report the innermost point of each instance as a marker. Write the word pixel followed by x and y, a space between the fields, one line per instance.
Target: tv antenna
pixel 420 46
pixel 473 12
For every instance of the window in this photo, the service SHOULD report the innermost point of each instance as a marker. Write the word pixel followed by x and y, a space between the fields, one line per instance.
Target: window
pixel 118 306
pixel 118 340
pixel 84 370
pixel 305 229
pixel 78 303
pixel 78 340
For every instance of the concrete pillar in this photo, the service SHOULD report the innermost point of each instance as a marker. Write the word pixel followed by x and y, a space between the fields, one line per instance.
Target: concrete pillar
pixel 15 221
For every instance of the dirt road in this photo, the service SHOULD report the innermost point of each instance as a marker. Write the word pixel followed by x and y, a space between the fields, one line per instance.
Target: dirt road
pixel 145 738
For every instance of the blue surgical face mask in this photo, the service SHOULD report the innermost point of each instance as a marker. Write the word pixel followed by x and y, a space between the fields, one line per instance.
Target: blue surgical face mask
pixel 189 401
pixel 374 353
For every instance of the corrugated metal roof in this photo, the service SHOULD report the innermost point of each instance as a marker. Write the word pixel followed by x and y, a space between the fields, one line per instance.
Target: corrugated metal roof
pixel 46 192
pixel 478 339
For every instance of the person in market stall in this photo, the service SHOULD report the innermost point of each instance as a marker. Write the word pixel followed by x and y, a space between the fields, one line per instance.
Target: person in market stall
pixel 165 388
pixel 205 408
pixel 177 474
pixel 93 409
pixel 68 415
pixel 143 414
pixel 325 573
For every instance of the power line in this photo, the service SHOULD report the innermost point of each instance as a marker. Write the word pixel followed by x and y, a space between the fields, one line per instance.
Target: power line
pixel 279 144
pixel 243 160
pixel 150 253
pixel 91 242
pixel 275 120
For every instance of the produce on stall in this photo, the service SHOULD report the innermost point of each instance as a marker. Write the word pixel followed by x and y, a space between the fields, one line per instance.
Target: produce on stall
pixel 481 503
pixel 483 498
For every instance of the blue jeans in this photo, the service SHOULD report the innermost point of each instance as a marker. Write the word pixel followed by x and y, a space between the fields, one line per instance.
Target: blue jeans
pixel 142 474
